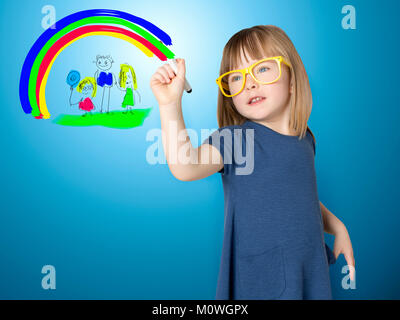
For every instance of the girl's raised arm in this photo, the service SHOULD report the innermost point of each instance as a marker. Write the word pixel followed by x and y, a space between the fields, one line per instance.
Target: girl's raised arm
pixel 185 162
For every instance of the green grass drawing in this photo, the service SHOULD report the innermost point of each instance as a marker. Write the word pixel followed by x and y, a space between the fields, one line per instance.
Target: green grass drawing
pixel 113 119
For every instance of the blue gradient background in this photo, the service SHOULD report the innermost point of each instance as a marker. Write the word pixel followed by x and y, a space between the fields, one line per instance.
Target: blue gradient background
pixel 115 227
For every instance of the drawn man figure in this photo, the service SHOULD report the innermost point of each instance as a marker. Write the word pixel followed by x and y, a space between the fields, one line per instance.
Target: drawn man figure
pixel 104 78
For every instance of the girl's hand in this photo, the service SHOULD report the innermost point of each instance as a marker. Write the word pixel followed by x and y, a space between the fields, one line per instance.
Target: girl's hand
pixel 343 245
pixel 166 86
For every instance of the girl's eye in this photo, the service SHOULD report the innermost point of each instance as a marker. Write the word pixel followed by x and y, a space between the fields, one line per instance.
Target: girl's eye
pixel 263 69
pixel 236 78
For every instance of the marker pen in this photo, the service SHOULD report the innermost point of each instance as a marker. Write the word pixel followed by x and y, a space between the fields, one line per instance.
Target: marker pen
pixel 173 65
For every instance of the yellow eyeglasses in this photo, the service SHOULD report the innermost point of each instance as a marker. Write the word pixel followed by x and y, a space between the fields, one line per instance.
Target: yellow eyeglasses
pixel 264 71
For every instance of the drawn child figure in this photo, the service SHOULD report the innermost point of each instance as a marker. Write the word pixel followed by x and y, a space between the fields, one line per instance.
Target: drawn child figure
pixel 273 244
pixel 104 78
pixel 128 83
pixel 87 87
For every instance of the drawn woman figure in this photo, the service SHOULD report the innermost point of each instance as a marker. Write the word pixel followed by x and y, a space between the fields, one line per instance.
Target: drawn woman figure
pixel 128 83
pixel 87 87
pixel 104 78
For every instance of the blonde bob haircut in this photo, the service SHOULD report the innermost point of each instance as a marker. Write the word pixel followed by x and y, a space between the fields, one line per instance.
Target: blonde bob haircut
pixel 267 41
pixel 84 82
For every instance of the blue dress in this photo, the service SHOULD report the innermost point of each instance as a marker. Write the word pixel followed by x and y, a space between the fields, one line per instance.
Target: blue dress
pixel 273 245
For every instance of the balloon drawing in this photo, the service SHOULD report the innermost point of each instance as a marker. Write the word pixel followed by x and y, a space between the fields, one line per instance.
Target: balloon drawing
pixel 147 37
pixel 73 78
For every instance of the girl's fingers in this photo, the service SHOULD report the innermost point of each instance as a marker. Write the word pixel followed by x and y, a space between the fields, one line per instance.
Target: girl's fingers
pixel 159 77
pixel 351 263
pixel 349 259
pixel 170 71
pixel 164 73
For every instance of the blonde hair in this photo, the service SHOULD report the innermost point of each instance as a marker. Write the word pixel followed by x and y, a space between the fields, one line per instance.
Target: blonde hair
pixel 260 41
pixel 84 82
pixel 122 75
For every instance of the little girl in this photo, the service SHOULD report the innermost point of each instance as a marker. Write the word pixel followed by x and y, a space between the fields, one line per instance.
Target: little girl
pixel 87 87
pixel 274 244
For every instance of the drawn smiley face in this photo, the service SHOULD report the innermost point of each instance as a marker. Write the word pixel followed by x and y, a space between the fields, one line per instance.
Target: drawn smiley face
pixel 104 63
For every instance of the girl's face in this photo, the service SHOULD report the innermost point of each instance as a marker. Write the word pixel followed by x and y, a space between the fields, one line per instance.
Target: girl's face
pixel 276 95
pixel 87 89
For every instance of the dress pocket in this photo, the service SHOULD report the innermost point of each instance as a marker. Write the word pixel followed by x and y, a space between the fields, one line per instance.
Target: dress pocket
pixel 262 276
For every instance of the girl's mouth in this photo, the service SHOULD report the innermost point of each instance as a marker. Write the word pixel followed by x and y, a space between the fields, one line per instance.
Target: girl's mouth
pixel 257 101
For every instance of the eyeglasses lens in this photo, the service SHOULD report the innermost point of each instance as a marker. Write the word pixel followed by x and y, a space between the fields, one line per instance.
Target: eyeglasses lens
pixel 265 72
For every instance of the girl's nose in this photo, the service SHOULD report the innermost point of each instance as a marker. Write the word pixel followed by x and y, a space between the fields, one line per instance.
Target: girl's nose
pixel 250 83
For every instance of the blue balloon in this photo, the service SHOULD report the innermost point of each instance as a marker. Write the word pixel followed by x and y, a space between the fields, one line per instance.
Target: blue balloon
pixel 73 78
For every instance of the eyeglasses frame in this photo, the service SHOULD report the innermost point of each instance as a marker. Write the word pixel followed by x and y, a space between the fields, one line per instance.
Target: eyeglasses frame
pixel 247 70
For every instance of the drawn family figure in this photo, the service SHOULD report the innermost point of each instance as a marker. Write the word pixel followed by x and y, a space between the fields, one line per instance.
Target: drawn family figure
pixel 87 87
pixel 128 83
pixel 104 78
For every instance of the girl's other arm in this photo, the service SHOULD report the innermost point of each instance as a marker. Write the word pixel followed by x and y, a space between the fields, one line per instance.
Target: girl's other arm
pixel 168 89
pixel 342 244
pixel 332 224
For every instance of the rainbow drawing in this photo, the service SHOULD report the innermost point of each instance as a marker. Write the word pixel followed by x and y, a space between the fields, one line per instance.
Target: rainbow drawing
pixel 37 65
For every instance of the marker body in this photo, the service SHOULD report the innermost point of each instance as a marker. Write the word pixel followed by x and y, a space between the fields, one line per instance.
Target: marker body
pixel 187 87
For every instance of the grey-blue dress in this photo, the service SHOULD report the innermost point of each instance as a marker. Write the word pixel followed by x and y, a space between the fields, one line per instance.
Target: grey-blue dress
pixel 273 245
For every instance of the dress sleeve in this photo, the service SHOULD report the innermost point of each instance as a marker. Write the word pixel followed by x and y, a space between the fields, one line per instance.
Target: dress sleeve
pixel 221 139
